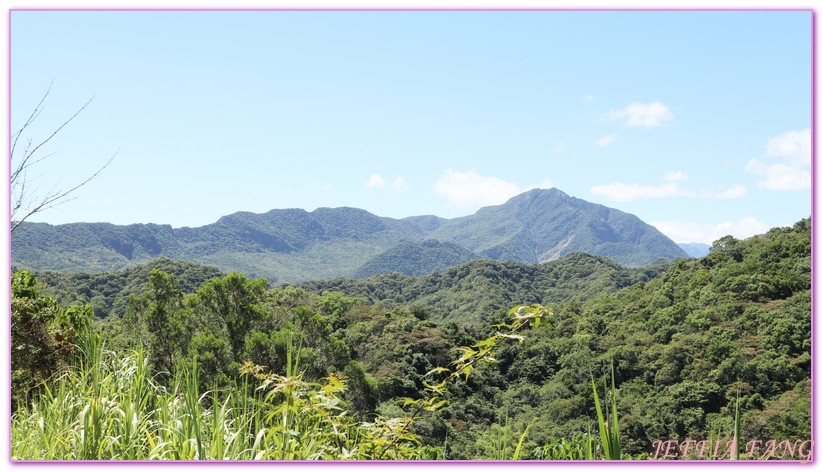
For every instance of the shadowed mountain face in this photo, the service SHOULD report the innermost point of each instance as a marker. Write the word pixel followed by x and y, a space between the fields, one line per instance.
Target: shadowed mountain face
pixel 293 245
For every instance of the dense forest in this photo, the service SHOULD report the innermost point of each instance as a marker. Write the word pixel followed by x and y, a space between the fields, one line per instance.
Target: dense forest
pixel 577 358
pixel 293 245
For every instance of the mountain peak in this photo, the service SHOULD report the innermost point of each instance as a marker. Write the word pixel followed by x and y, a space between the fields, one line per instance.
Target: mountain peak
pixel 553 192
pixel 544 224
pixel 291 245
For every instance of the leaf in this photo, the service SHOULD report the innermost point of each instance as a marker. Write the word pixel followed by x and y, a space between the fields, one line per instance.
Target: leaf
pixel 517 337
pixel 601 422
pixel 486 343
pixel 736 452
pixel 615 436
pixel 516 455
pixel 409 401
pixel 436 406
pixel 436 370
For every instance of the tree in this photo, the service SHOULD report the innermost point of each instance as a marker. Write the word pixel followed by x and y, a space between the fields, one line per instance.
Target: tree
pixel 156 319
pixel 44 335
pixel 235 300
pixel 25 201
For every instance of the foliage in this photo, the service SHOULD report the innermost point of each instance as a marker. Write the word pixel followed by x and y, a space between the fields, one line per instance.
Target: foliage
pixel 609 427
pixel 292 245
pixel 474 292
pixel 44 335
pixel 415 258
pixel 110 407
pixel 108 292
pixel 367 364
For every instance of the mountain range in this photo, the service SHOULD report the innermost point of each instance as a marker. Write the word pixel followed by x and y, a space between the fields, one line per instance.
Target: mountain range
pixel 293 245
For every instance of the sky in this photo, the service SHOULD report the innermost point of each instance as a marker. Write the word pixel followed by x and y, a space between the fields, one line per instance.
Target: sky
pixel 699 123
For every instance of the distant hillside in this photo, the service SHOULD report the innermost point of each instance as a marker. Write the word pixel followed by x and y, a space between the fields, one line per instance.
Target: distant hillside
pixel 473 292
pixel 416 258
pixel 108 292
pixel 542 225
pixel 467 293
pixel 294 245
pixel 695 249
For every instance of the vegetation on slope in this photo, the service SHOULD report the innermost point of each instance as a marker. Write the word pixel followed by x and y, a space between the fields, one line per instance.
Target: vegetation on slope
pixel 108 292
pixel 415 258
pixel 294 245
pixel 687 348
pixel 477 291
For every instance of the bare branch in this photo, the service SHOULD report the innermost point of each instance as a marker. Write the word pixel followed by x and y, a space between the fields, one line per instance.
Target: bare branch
pixel 19 180
pixel 58 198
pixel 34 114
pixel 24 163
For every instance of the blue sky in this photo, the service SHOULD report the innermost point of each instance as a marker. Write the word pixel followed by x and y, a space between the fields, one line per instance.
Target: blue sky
pixel 696 122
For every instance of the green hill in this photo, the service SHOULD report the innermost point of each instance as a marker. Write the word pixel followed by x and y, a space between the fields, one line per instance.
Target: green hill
pixel 415 258
pixel 294 245
pixel 108 292
pixel 474 292
pixel 542 225
pixel 688 342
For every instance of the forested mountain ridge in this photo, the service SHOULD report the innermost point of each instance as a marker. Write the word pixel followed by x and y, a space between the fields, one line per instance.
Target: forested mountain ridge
pixel 542 225
pixel 295 245
pixel 688 345
pixel 108 292
pixel 467 293
pixel 476 291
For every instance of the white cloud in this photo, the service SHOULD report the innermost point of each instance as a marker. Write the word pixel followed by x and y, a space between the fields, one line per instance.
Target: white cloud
pixel 588 98
pixel 621 192
pixel 735 191
pixel 399 185
pixel 794 149
pixel 559 147
pixel 376 181
pixel 675 176
pixel 641 115
pixel 604 141
pixel 795 146
pixel 707 233
pixel 469 189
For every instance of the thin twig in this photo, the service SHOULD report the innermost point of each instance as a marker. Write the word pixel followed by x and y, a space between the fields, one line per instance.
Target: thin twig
pixel 53 200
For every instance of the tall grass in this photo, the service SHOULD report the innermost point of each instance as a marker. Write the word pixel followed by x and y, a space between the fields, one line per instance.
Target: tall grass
pixel 107 407
pixel 609 429
pixel 110 408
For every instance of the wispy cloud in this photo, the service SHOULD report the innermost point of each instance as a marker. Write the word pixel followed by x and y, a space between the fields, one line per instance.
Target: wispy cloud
pixel 606 140
pixel 794 146
pixel 639 114
pixel 559 147
pixel 622 192
pixel 472 190
pixel 588 98
pixel 793 150
pixel 398 185
pixel 376 181
pixel 735 191
pixel 671 187
pixel 707 233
